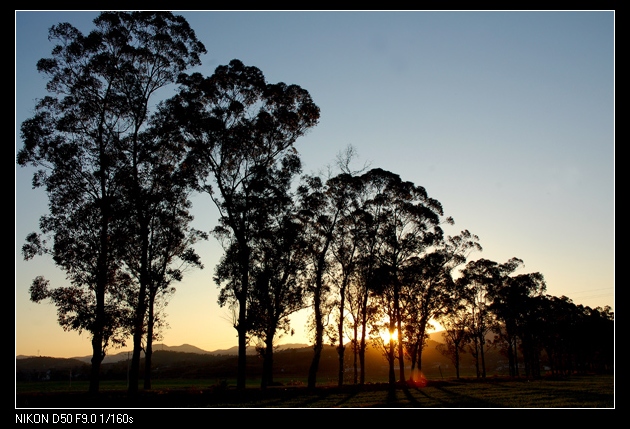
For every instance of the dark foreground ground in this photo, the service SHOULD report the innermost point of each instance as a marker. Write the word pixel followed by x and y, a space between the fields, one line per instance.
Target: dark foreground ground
pixel 574 392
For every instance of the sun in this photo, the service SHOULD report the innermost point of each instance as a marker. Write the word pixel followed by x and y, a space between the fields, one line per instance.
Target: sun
pixel 385 335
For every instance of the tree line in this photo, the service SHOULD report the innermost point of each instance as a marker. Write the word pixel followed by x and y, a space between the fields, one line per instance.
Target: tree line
pixel 364 250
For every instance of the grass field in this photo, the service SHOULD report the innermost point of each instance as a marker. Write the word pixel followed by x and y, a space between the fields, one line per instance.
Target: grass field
pixel 589 391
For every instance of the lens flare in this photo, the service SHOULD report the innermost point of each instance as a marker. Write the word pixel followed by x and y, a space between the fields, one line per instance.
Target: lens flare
pixel 418 379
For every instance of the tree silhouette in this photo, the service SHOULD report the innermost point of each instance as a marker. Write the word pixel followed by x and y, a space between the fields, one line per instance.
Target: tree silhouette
pixel 160 247
pixel 237 126
pixel 118 177
pixel 455 321
pixel 345 251
pixel 410 220
pixel 82 137
pixel 429 288
pixel 516 310
pixel 277 261
pixel 369 214
pixel 321 205
pixel 480 280
pixel 565 332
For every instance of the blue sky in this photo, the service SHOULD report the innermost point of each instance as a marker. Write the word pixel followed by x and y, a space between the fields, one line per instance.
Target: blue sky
pixel 506 118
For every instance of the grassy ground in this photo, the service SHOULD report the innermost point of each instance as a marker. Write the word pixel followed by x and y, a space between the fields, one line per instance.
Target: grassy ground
pixel 496 392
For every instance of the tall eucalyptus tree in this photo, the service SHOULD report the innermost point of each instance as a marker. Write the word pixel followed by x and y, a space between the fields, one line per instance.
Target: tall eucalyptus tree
pixel 237 126
pixel 514 304
pixel 321 205
pixel 161 241
pixel 480 279
pixel 345 253
pixel 455 321
pixel 84 137
pixel 411 227
pixel 277 263
pixel 370 216
pixel 429 287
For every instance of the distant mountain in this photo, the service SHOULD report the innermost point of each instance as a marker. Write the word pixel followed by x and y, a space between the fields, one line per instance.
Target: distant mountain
pixel 184 348
pixel 117 357
pixel 187 348
pixel 44 363
pixel 251 350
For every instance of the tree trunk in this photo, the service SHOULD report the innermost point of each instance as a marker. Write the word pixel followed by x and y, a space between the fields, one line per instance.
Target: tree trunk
pixel 317 304
pixel 401 356
pixel 101 286
pixel 141 310
pixel 241 329
pixel 391 358
pixel 457 360
pixel 267 374
pixel 97 337
pixel 477 356
pixel 134 371
pixel 97 358
pixel 312 371
pixel 363 335
pixel 420 344
pixel 148 353
pixel 413 353
pixel 319 337
pixel 355 355
pixel 341 348
pixel 482 343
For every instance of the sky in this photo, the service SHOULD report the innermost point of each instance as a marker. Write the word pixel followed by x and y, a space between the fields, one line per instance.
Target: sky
pixel 504 117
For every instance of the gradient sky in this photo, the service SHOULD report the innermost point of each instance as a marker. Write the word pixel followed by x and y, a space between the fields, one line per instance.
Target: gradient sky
pixel 506 118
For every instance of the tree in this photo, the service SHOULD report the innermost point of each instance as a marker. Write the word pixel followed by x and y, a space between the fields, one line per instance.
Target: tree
pixel 480 279
pixel 277 263
pixel 155 48
pixel 514 306
pixel 410 227
pixel 564 334
pixel 160 248
pixel 345 251
pixel 455 322
pixel 238 126
pixel 599 323
pixel 369 215
pixel 477 278
pixel 331 212
pixel 385 320
pixel 81 136
pixel 429 288
pixel 321 207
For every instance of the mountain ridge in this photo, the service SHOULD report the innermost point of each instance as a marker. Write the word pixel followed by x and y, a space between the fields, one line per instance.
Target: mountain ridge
pixel 189 348
pixel 183 348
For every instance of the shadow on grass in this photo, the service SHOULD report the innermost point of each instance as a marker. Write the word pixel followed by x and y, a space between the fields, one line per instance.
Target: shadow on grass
pixel 588 392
